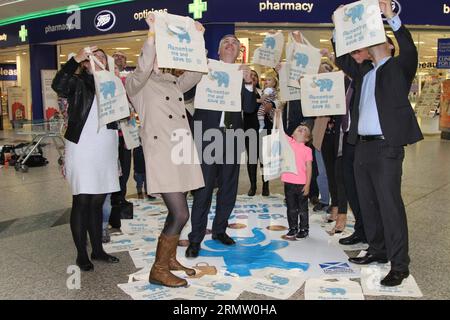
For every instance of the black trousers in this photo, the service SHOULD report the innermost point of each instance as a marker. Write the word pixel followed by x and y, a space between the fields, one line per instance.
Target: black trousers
pixel 252 167
pixel 297 206
pixel 334 168
pixel 348 159
pixel 378 174
pixel 226 177
pixel 125 165
pixel 314 189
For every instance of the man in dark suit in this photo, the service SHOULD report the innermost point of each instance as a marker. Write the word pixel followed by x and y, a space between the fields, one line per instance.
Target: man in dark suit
pixel 221 172
pixel 383 122
pixel 348 158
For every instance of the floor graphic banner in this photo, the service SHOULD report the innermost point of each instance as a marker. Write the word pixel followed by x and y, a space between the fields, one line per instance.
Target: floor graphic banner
pixel 261 262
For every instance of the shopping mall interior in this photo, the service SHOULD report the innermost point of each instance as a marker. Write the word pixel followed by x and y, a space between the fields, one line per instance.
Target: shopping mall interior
pixel 36 243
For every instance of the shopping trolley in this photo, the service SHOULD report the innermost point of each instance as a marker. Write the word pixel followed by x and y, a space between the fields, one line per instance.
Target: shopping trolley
pixel 39 130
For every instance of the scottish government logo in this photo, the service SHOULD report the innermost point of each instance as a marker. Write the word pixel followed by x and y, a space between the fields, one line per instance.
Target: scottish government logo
pixel 105 20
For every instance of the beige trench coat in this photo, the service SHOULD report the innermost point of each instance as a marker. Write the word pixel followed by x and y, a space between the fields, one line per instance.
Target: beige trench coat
pixel 171 159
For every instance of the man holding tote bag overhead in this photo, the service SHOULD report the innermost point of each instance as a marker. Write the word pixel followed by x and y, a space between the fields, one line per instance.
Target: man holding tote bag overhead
pixel 383 123
pixel 225 174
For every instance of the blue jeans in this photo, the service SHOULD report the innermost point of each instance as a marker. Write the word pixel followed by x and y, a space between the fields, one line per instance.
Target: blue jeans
pixel 140 181
pixel 322 180
pixel 106 211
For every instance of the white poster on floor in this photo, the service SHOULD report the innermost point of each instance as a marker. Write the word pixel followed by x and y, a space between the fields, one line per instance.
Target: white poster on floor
pixel 179 45
pixel 358 25
pixel 143 290
pixel 143 258
pixel 49 96
pixel 333 289
pixel 213 288
pixel 220 89
pixel 280 284
pixel 323 94
pixel 370 281
pixel 269 54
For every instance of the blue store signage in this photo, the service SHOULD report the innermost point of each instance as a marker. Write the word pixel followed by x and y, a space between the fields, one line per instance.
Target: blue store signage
pixel 443 54
pixel 129 16
pixel 8 72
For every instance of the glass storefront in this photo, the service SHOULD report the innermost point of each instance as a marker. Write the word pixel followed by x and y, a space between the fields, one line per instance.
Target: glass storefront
pixel 15 66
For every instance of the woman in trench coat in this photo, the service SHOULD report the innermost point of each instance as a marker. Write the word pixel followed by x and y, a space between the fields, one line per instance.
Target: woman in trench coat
pixel 172 165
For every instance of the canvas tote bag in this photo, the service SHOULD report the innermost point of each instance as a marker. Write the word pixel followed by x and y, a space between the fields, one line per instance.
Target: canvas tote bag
pixel 112 101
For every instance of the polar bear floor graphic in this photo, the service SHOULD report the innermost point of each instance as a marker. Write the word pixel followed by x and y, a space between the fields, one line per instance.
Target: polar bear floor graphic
pixel 323 84
pixel 248 254
pixel 108 88
pixel 301 59
pixel 355 13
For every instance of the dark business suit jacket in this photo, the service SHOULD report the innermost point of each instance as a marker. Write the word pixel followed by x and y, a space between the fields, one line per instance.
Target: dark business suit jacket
pixel 397 119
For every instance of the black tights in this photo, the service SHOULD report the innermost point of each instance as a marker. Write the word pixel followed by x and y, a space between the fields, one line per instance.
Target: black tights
pixel 87 216
pixel 178 213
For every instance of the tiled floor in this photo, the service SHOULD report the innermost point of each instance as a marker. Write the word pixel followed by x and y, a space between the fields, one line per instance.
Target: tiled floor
pixel 36 245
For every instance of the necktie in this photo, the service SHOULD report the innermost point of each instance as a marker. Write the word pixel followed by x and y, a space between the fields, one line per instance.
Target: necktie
pixel 348 99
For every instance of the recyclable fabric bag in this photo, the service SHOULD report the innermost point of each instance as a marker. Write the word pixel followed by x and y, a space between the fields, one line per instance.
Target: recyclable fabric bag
pixel 278 156
pixel 112 101
pixel 220 89
pixel 179 45
pixel 303 59
pixel 269 54
pixel 323 94
pixel 358 25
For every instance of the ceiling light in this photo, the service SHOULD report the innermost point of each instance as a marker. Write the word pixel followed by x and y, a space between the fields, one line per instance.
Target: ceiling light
pixel 138 40
pixel 324 40
pixel 10 61
pixel 419 42
pixel 122 48
pixel 62 55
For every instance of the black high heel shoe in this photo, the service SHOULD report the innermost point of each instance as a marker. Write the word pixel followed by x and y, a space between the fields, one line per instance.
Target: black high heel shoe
pixel 86 266
pixel 105 258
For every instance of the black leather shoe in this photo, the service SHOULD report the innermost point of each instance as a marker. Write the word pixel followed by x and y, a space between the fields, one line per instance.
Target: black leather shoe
pixel 394 278
pixel 251 192
pixel 192 250
pixel 224 238
pixel 367 259
pixel 85 266
pixel 105 258
pixel 353 239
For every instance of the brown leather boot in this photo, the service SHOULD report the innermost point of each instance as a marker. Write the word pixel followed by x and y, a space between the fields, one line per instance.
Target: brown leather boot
pixel 174 265
pixel 160 273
